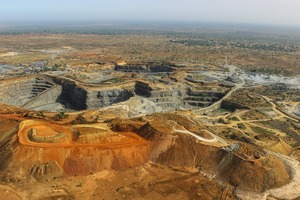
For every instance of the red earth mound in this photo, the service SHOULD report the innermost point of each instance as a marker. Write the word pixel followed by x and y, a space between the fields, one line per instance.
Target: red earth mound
pixel 44 149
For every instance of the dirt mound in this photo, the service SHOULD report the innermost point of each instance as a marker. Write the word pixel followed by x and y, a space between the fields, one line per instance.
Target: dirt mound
pixel 176 149
pixel 240 164
pixel 251 168
pixel 257 176
pixel 281 147
pixel 274 143
pixel 167 146
pixel 7 192
pixel 46 150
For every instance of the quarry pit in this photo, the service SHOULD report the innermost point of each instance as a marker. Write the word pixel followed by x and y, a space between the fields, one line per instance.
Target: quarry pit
pixel 131 116
pixel 160 85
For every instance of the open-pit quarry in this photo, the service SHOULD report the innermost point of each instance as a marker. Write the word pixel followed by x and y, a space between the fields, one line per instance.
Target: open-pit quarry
pixel 166 88
pixel 149 131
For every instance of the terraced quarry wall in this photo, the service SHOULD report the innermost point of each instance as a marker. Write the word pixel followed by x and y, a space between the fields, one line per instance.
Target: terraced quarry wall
pixel 103 98
pixel 54 93
pixel 32 92
pixel 47 92
pixel 44 99
pixel 184 98
pixel 143 68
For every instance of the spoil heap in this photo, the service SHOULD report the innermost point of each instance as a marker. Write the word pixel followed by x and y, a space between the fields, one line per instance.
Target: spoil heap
pixel 177 141
pixel 46 150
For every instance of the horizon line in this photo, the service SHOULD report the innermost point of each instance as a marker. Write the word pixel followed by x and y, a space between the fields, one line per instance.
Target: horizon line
pixel 145 21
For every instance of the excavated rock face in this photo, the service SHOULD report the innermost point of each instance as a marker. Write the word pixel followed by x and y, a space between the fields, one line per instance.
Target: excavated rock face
pixel 73 96
pixel 36 92
pixel 143 68
pixel 142 89
pixel 41 92
pixel 103 98
pixel 52 93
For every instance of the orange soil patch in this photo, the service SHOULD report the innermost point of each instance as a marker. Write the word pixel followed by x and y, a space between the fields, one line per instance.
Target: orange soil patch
pixel 47 150
pixel 128 139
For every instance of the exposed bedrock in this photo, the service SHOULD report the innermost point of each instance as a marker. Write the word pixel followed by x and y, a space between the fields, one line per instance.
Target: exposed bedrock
pixel 199 93
pixel 103 98
pixel 142 89
pixel 72 96
pixel 168 99
pixel 202 98
pixel 77 97
pixel 29 92
pixel 55 93
pixel 45 99
pixel 143 68
pixel 184 98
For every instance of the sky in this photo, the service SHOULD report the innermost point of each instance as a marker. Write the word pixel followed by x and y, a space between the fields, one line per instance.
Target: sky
pixel 275 12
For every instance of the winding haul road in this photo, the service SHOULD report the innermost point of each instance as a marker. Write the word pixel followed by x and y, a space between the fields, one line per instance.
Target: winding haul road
pixel 278 111
pixel 213 140
pixel 288 191
pixel 232 71
pixel 127 139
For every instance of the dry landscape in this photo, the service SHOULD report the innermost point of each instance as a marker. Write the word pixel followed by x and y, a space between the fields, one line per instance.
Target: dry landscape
pixel 141 113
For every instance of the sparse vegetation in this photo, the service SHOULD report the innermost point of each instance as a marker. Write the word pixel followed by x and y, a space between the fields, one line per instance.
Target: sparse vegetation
pixel 181 136
pixel 241 126
pixel 261 130
pixel 61 115
pixel 41 114
pixel 80 120
pixel 234 119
